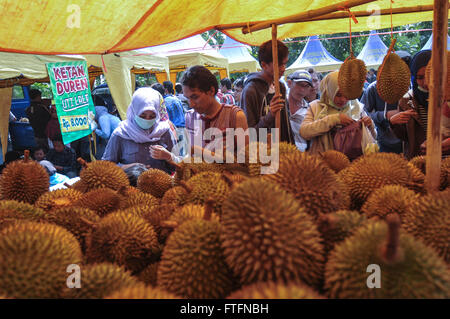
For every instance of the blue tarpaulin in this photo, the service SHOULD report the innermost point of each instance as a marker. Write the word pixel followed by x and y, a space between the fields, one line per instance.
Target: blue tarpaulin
pixel 429 43
pixel 373 51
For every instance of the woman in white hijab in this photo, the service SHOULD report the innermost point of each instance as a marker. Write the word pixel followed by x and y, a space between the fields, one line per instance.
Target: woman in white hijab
pixel 131 141
pixel 333 110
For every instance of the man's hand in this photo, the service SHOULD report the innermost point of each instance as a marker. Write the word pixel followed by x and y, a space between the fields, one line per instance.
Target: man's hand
pixel 276 104
pixel 367 121
pixel 160 153
pixel 402 117
pixel 345 119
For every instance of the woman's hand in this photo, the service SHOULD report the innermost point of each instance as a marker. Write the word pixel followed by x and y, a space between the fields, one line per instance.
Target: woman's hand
pixel 345 119
pixel 402 117
pixel 367 121
pixel 160 153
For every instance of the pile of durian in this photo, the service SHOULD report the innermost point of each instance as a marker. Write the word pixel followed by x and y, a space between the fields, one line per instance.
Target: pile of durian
pixel 310 230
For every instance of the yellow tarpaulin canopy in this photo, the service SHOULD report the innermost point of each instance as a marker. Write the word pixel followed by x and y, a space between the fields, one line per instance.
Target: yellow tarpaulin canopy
pixel 98 26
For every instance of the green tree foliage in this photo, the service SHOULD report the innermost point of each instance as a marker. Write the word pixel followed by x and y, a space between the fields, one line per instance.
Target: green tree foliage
pixel 44 88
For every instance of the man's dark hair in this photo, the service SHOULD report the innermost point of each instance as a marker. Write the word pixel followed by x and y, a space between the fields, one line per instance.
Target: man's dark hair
pixel 11 156
pixel 158 87
pixel 226 82
pixel 239 82
pixel 199 77
pixel 34 93
pixel 168 85
pixel 178 88
pixel 265 52
pixel 133 172
pixel 57 138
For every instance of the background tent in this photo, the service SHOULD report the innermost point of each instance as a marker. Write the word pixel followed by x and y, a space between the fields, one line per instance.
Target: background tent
pixel 429 43
pixel 188 52
pixel 314 55
pixel 239 59
pixel 373 51
pixel 120 70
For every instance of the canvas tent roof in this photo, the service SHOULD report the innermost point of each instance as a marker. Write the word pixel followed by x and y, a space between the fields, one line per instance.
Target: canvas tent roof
pixel 98 26
pixel 239 59
pixel 373 51
pixel 429 43
pixel 314 55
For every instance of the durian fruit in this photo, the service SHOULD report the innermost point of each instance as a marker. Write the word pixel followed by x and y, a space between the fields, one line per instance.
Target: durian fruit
pixel 351 77
pixel 157 216
pixel 99 281
pixel 189 212
pixel 389 199
pixel 34 258
pixel 445 173
pixel 149 275
pixel 102 174
pixel 428 74
pixel 24 180
pixel 122 238
pixel 155 182
pixel 370 172
pixel 192 264
pixel 382 253
pixel 101 200
pixel 207 185
pixel 176 195
pixel 428 218
pixel 274 290
pixel 268 236
pixel 79 186
pixel 58 199
pixel 417 180
pixel 12 211
pixel 311 182
pixel 138 198
pixel 140 291
pixel 393 78
pixel 337 226
pixel 234 179
pixel 79 221
pixel 419 162
pixel 335 160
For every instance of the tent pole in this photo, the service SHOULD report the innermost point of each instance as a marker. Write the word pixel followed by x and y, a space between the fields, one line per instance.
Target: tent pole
pixel 306 15
pixel 276 73
pixel 437 95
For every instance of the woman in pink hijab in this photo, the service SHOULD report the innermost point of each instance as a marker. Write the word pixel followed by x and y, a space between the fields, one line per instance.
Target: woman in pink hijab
pixel 131 141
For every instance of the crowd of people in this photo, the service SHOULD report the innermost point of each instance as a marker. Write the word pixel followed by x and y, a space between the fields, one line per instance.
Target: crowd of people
pixel 162 120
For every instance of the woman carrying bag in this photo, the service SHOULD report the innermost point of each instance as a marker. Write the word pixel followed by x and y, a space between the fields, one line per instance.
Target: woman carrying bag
pixel 329 114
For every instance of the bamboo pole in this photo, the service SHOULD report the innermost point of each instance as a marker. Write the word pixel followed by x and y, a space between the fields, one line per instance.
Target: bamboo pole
pixel 276 72
pixel 306 15
pixel 437 95
pixel 336 15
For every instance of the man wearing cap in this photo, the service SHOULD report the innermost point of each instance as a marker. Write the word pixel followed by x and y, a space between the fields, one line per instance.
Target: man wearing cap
pixel 300 84
pixel 376 108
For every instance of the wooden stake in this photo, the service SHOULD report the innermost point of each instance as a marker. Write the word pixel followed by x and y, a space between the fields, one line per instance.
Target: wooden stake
pixel 437 95
pixel 276 72
pixel 306 15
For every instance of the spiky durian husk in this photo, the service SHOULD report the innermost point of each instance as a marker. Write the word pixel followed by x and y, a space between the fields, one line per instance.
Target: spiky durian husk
pixel 140 291
pixel 428 218
pixel 428 73
pixel 155 182
pixel 156 216
pixel 267 235
pixel 101 200
pixel 273 290
pixel 79 221
pixel 24 181
pixel 445 173
pixel 389 199
pixel 34 258
pixel 208 185
pixel 417 180
pixel 58 199
pixel 103 174
pixel 139 198
pixel 192 264
pixel 79 186
pixel 99 281
pixel 337 226
pixel 419 162
pixel 189 212
pixel 351 77
pixel 122 238
pixel 310 180
pixel 335 160
pixel 373 171
pixel 149 275
pixel 393 79
pixel 419 273
pixel 176 195
pixel 12 211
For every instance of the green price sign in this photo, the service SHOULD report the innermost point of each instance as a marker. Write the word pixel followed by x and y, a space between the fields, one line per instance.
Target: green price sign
pixel 73 100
